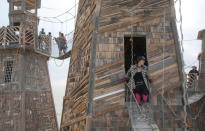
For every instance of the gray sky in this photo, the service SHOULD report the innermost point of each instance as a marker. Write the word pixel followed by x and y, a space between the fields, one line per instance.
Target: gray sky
pixel 193 21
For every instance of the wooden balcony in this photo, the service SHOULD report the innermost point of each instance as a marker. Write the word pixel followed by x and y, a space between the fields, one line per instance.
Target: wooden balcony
pixel 15 37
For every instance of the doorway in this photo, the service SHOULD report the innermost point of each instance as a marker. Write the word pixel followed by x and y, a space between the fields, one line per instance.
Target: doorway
pixel 139 49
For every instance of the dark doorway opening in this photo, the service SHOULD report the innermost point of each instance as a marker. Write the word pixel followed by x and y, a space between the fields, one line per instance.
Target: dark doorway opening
pixel 139 49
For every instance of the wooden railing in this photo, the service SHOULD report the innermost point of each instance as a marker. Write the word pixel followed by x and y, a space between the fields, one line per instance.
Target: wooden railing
pixel 44 44
pixel 9 35
pixel 24 37
pixel 191 84
pixel 192 80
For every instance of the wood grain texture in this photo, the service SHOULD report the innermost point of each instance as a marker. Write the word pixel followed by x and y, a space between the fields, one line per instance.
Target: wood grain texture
pixel 117 19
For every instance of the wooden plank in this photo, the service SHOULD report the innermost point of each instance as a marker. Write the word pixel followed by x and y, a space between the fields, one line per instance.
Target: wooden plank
pixel 98 69
pixel 160 64
pixel 106 90
pixel 108 70
pixel 93 59
pixel 74 121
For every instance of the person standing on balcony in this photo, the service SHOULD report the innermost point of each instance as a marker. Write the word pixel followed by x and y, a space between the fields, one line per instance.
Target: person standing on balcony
pixel 40 40
pixel 140 80
pixel 42 32
pixel 64 43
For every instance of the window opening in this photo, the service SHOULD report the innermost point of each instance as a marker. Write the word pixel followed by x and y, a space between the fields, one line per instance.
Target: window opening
pixel 17 7
pixel 8 71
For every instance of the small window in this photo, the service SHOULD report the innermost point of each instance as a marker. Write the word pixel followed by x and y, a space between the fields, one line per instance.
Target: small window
pixel 17 7
pixel 8 71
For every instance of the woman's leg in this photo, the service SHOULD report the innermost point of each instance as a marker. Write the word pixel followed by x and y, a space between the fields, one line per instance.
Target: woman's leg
pixel 138 98
pixel 145 97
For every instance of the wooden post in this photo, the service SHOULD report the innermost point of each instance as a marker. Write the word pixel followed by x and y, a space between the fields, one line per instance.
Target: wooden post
pixel 20 38
pixel 88 123
pixel 4 36
pixel 179 56
pixel 22 74
pixel 201 36
pixel 93 60
pixel 50 45
pixel 23 5
pixel 11 8
pixel 203 40
pixel 36 7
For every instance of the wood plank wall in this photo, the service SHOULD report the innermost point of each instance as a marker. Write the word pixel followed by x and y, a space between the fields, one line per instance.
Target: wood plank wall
pixel 148 19
pixel 26 103
pixel 76 96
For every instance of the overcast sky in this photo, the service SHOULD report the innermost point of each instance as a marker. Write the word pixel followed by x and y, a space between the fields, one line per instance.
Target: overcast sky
pixel 193 21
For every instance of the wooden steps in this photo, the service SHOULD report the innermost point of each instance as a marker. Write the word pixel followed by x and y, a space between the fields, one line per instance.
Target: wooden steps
pixel 141 121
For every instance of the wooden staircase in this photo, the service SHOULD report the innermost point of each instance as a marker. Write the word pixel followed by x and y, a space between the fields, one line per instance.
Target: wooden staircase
pixel 141 117
pixel 141 120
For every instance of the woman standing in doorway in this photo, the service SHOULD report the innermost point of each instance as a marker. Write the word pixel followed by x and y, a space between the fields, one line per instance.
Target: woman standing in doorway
pixel 140 80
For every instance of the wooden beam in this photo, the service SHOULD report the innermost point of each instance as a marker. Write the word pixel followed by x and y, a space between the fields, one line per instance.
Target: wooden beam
pixel 70 122
pixel 23 5
pixel 93 59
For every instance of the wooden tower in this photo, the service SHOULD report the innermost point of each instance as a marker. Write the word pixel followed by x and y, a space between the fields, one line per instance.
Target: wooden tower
pixel 26 101
pixel 96 96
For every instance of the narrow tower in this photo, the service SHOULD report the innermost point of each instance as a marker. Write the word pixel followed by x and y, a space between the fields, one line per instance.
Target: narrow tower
pixel 26 101
pixel 109 36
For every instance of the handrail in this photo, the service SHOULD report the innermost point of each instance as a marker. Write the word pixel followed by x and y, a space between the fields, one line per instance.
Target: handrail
pixel 138 106
pixel 24 36
pixel 9 35
pixel 43 44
